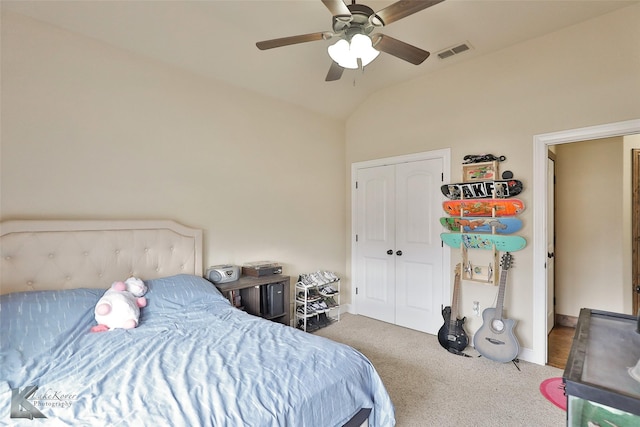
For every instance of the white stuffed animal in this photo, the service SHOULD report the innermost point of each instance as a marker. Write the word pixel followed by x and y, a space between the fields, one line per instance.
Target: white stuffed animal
pixel 119 307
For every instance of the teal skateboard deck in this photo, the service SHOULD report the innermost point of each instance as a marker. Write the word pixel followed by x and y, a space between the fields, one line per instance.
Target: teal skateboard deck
pixel 484 241
pixel 502 225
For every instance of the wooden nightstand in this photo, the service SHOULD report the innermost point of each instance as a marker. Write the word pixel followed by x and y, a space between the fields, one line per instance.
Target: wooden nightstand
pixel 259 298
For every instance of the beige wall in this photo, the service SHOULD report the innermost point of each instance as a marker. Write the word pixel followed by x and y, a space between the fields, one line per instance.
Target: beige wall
pixel 89 131
pixel 584 75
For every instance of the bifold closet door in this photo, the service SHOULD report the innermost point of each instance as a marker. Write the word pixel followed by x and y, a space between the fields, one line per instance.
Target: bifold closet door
pixel 399 253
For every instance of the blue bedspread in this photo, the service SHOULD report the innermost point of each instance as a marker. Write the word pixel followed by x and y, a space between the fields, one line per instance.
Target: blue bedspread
pixel 193 361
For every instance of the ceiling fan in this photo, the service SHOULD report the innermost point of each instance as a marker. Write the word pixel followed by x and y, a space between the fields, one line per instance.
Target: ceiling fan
pixel 354 25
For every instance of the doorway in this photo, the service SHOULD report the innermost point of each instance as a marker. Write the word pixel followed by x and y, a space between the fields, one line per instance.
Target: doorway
pixel 589 209
pixel 540 206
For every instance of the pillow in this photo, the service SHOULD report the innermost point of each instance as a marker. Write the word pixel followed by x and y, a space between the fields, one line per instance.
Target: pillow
pixel 33 322
pixel 179 292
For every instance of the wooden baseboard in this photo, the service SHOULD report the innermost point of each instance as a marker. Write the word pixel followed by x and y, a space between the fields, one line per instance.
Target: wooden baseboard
pixel 566 320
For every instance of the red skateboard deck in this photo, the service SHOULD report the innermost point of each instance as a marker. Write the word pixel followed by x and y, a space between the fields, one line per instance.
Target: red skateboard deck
pixel 483 207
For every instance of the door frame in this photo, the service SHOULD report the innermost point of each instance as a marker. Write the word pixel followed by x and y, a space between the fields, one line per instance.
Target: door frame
pixel 445 155
pixel 541 145
pixel 635 227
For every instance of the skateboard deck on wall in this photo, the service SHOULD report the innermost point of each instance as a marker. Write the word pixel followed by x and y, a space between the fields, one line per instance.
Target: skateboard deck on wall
pixel 482 189
pixel 483 207
pixel 484 241
pixel 503 225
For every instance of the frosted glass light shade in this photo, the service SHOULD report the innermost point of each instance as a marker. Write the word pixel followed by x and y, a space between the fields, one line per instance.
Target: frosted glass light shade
pixel 341 54
pixel 361 47
pixel 346 55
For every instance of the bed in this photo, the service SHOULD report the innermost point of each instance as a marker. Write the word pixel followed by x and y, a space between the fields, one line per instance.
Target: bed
pixel 193 359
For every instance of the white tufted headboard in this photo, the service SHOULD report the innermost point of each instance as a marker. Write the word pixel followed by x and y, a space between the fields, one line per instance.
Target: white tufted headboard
pixel 55 254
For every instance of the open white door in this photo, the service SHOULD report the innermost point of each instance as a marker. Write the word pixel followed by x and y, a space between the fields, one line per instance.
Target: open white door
pixel 550 243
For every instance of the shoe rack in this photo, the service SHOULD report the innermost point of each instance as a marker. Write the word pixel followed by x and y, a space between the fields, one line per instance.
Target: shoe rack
pixel 317 300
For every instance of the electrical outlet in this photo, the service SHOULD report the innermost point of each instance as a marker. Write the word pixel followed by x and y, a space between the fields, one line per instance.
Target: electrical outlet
pixel 476 308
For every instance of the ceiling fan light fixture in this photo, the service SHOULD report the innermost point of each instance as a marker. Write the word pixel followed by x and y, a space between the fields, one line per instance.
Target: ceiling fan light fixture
pixel 346 54
pixel 341 54
pixel 353 24
pixel 362 47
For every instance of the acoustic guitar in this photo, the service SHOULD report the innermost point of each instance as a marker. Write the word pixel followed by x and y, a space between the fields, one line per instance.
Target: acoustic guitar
pixel 452 335
pixel 495 339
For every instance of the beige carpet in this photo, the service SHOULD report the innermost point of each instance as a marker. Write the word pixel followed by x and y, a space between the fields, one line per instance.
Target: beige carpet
pixel 432 387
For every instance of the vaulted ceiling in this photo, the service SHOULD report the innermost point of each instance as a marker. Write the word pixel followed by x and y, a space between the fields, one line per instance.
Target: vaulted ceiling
pixel 216 38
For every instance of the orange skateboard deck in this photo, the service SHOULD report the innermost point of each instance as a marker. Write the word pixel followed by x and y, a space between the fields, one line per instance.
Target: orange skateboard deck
pixel 483 207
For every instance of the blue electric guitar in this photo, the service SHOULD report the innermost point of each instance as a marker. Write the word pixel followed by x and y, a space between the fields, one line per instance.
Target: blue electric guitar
pixel 495 339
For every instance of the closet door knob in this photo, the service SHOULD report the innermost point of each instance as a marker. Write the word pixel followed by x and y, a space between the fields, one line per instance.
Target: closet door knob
pixel 390 252
pixel 399 253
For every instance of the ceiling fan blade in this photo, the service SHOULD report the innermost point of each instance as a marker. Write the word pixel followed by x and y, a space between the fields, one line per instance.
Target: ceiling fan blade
pixel 400 9
pixel 399 49
pixel 337 7
pixel 286 41
pixel 335 72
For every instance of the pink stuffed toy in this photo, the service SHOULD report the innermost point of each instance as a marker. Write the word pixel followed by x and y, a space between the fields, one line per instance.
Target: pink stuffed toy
pixel 119 307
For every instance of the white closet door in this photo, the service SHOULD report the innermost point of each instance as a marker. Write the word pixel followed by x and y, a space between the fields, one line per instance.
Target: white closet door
pixel 376 237
pixel 399 254
pixel 419 279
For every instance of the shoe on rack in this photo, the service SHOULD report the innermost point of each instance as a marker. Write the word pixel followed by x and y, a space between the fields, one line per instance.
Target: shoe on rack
pixel 310 296
pixel 331 303
pixel 310 311
pixel 317 278
pixel 303 283
pixel 318 308
pixel 313 324
pixel 330 276
pixel 307 280
pixel 314 294
pixel 324 320
pixel 310 327
pixel 321 306
pixel 328 291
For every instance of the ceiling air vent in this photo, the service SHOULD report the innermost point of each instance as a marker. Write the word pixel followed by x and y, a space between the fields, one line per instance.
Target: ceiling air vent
pixel 447 53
